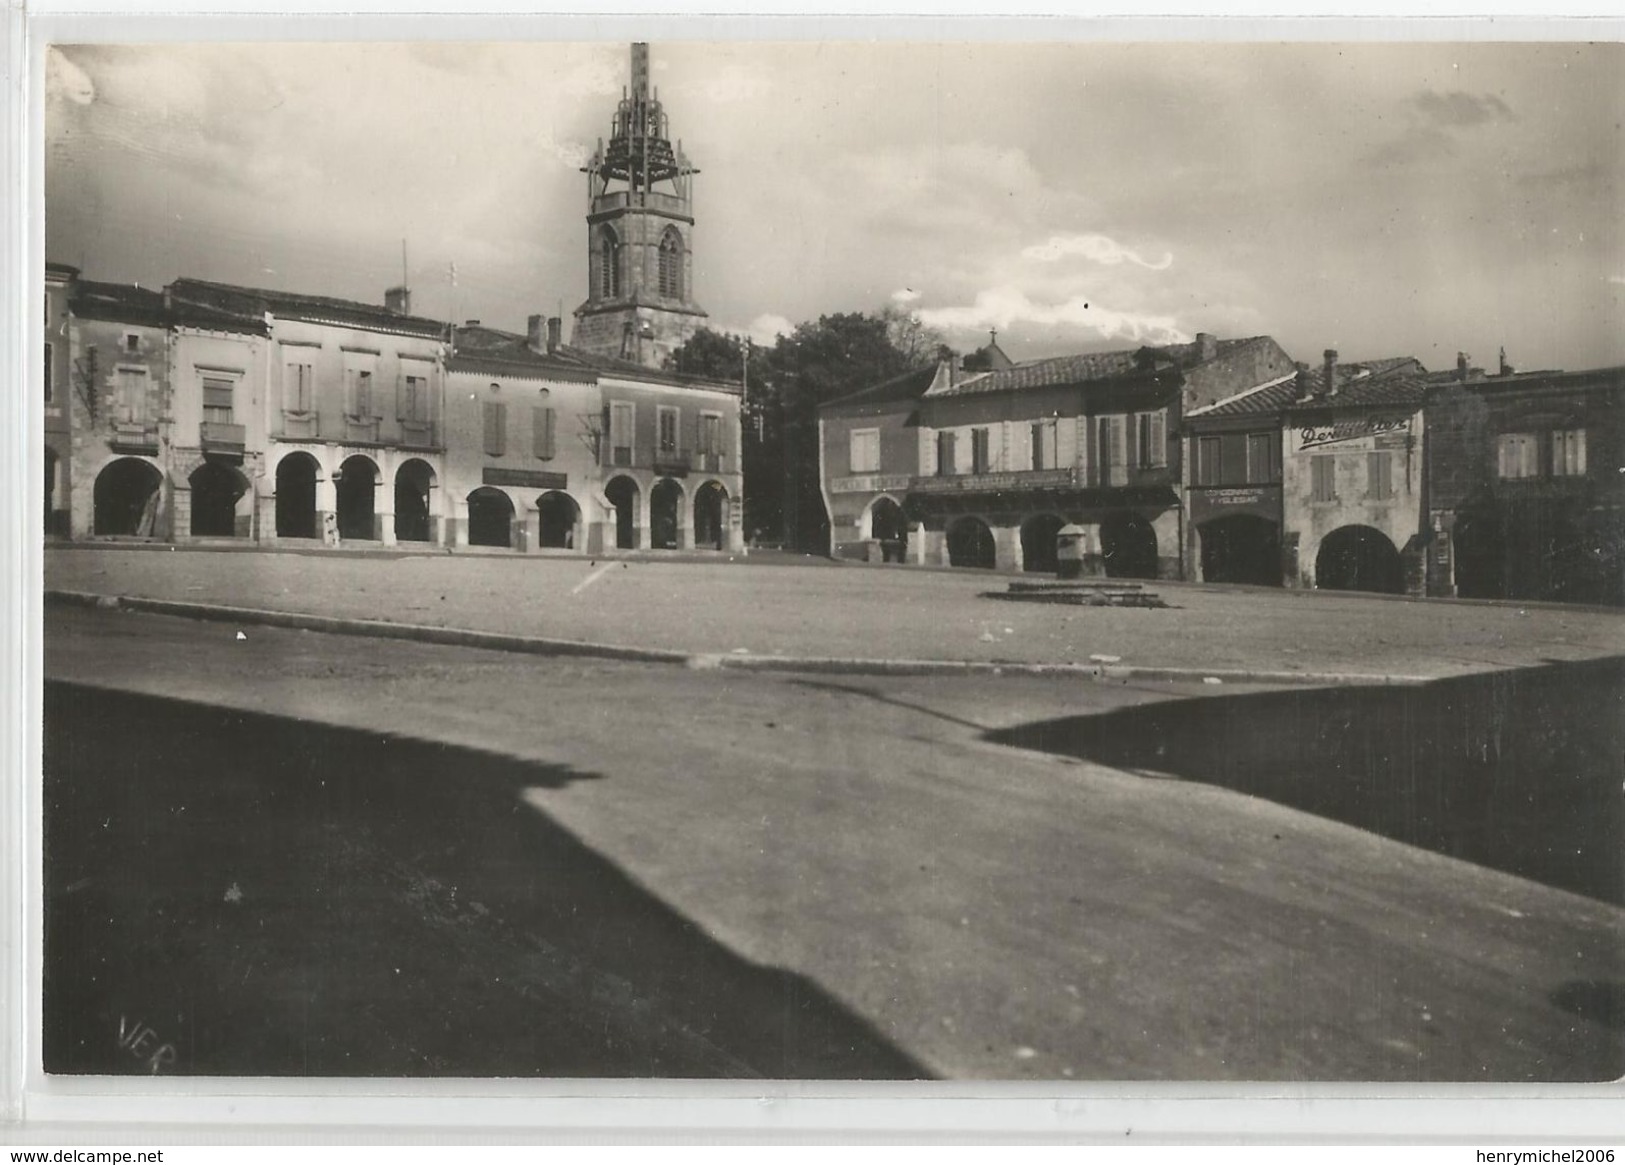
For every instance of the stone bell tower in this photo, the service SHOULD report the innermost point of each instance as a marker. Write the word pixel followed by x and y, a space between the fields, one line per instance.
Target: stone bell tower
pixel 640 228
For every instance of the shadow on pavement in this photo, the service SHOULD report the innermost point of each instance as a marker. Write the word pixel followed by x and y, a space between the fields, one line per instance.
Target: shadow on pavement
pixel 1516 770
pixel 233 893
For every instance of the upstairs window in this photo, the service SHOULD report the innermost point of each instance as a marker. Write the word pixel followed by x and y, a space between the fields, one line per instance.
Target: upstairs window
pixel 1114 450
pixel 1263 458
pixel 359 406
pixel 865 450
pixel 668 429
pixel 132 395
pixel 711 436
pixel 1518 456
pixel 496 428
pixel 1208 459
pixel 217 402
pixel 1569 453
pixel 1379 477
pixel 47 374
pixel 981 451
pixel 544 432
pixel 671 264
pixel 946 457
pixel 1152 439
pixel 1045 455
pixel 415 399
pixel 297 388
pixel 620 433
pixel 1323 478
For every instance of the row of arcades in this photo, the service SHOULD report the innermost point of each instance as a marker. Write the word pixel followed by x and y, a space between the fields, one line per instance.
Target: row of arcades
pixel 1136 544
pixel 358 502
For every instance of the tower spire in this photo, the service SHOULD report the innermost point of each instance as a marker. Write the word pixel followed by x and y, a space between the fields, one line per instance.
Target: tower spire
pixel 640 71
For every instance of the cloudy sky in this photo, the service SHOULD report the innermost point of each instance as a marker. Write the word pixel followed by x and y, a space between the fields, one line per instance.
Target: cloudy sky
pixel 1376 198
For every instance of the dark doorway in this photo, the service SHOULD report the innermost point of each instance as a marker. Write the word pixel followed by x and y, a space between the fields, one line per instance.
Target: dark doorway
pixel 1038 535
pixel 1129 546
pixel 889 526
pixel 1241 549
pixel 490 518
pixel 296 496
pixel 558 513
pixel 216 490
pixel 1359 558
pixel 664 501
pixel 623 495
pixel 710 501
pixel 357 494
pixel 970 543
pixel 414 482
pixel 126 498
pixel 1480 551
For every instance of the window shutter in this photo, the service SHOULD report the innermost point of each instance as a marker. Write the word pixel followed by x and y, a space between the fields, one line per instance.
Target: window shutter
pixel 543 433
pixel 1158 422
pixel 495 428
pixel 1117 451
pixel 217 394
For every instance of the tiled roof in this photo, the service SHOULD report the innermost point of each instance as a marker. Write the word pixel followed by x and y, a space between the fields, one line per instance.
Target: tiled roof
pixel 255 301
pixel 909 386
pixel 1270 399
pixel 119 302
pixel 480 349
pixel 1086 367
pixel 1398 380
pixel 632 370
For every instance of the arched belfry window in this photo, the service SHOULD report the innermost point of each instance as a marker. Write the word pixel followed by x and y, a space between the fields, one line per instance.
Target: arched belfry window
pixel 609 263
pixel 671 264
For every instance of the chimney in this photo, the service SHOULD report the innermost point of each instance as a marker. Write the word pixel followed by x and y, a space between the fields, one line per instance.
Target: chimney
pixel 1461 366
pixel 398 300
pixel 1506 369
pixel 554 326
pixel 1302 387
pixel 1329 374
pixel 1207 346
pixel 533 334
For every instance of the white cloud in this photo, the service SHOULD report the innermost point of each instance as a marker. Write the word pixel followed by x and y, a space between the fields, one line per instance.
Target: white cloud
pixel 1096 248
pixel 66 80
pixel 905 295
pixel 768 327
pixel 1001 307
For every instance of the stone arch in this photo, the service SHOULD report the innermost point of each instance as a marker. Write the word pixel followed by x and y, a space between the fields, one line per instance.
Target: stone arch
pixel 557 519
pixel 1038 542
pixel 218 493
pixel 1128 546
pixel 1359 558
pixel 296 476
pixel 622 492
pixel 415 486
pixel 711 504
pixel 490 517
pixel 665 513
pixel 126 498
pixel 970 543
pixel 1241 548
pixel 356 500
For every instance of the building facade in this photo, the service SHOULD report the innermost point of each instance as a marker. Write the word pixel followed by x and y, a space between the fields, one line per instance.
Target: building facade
pixel 353 409
pixel 869 456
pixel 118 402
pixel 1538 514
pixel 521 449
pixel 669 460
pixel 640 303
pixel 1354 507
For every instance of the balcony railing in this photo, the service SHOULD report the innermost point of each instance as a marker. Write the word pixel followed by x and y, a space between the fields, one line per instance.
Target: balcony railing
pixel 418 435
pixel 1019 479
pixel 301 426
pixel 653 199
pixel 134 436
pixel 672 461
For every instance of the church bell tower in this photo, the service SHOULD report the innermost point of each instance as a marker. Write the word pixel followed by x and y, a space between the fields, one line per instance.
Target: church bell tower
pixel 640 228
